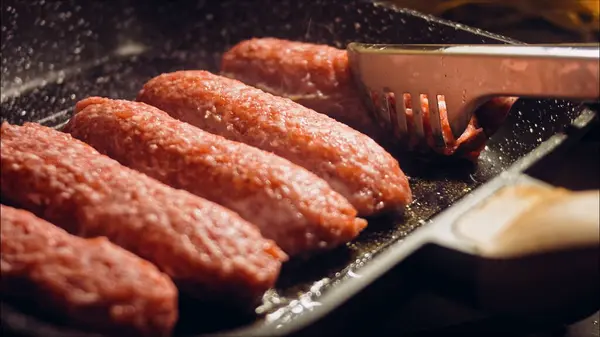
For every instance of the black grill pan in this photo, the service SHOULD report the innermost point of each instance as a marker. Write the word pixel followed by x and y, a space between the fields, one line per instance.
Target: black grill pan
pixel 55 53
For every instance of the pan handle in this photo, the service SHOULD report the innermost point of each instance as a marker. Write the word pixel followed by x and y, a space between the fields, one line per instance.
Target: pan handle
pixel 524 220
pixel 526 250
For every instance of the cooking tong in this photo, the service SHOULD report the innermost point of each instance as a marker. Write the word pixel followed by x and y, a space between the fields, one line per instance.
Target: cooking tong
pixel 463 77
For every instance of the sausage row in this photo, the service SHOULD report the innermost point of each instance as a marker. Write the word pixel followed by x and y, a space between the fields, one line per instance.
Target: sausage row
pixel 210 196
pixel 289 204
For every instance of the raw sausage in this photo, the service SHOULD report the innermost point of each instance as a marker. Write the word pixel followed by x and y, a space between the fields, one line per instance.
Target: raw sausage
pixel 290 205
pixel 205 248
pixel 318 77
pixel 352 163
pixel 91 283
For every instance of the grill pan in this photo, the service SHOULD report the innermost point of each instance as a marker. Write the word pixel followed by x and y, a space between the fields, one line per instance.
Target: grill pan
pixel 57 52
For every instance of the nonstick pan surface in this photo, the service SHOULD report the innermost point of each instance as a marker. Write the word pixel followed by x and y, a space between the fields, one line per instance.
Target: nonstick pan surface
pixel 55 53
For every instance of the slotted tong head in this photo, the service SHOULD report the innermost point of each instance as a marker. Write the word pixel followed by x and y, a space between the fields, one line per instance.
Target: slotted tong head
pixel 395 77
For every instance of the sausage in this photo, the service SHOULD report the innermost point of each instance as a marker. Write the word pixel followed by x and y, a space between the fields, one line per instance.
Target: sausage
pixel 208 250
pixel 290 205
pixel 319 77
pixel 352 163
pixel 316 76
pixel 91 283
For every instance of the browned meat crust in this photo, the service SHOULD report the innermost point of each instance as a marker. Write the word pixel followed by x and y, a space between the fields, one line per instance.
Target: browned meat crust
pixel 207 249
pixel 290 205
pixel 91 283
pixel 352 163
pixel 319 77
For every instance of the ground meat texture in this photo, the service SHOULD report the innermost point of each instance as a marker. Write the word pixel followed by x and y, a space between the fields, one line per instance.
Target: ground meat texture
pixel 352 163
pixel 90 283
pixel 289 204
pixel 208 250
pixel 319 77
pixel 316 76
